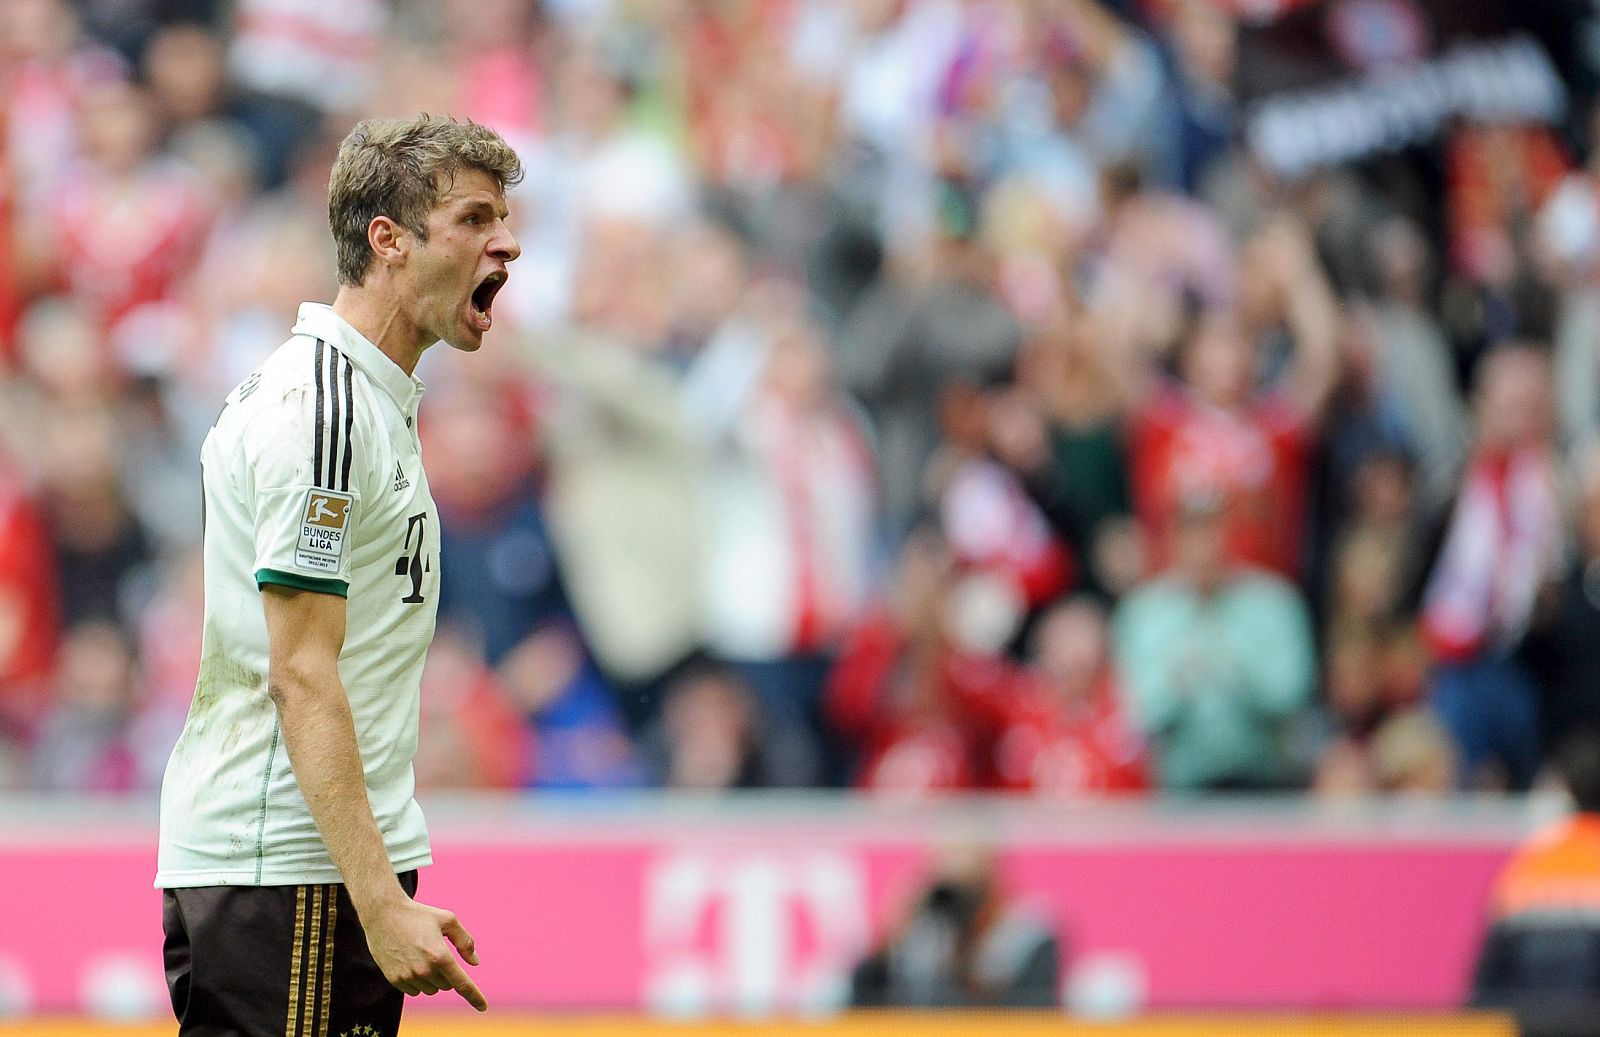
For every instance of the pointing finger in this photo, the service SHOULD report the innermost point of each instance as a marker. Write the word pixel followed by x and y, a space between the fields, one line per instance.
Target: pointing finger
pixel 458 979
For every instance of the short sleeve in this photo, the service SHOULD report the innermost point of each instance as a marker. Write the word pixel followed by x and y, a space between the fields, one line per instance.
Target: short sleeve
pixel 297 482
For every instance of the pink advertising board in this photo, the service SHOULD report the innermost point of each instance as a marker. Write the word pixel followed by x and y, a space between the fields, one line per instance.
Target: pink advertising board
pixel 686 908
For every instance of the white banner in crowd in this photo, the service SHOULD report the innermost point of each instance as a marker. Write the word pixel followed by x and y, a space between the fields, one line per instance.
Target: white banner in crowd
pixel 1509 80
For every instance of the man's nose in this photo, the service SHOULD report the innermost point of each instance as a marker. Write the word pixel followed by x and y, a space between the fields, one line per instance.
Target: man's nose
pixel 504 246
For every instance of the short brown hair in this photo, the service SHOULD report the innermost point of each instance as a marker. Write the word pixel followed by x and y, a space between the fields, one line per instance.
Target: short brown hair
pixel 398 168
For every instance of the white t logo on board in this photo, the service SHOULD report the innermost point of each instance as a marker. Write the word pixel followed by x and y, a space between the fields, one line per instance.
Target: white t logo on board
pixel 753 932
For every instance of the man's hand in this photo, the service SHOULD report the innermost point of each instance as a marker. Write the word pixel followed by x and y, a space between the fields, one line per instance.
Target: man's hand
pixel 411 944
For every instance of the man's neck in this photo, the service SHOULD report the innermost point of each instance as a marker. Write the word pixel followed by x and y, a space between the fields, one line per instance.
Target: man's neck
pixel 379 320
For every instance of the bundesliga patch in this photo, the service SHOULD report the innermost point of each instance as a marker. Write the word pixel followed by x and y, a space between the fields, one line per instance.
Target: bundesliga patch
pixel 323 526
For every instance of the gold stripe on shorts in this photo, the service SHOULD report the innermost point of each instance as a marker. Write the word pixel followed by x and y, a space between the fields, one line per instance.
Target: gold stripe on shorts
pixel 327 959
pixel 290 1028
pixel 315 944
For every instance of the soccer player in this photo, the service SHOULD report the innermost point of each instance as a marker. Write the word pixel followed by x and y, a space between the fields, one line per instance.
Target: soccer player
pixel 290 838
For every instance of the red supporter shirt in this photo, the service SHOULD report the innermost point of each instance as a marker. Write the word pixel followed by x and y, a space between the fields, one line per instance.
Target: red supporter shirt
pixel 1069 749
pixel 918 759
pixel 1255 456
pixel 28 606
pixel 125 243
pixel 914 738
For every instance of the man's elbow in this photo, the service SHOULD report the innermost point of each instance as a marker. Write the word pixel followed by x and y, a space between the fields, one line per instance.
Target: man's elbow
pixel 292 683
pixel 285 692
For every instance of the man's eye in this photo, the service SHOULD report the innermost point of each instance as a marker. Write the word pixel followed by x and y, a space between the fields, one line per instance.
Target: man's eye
pixel 472 219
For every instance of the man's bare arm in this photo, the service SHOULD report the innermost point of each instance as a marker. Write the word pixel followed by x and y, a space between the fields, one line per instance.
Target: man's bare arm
pixel 305 631
pixel 1311 312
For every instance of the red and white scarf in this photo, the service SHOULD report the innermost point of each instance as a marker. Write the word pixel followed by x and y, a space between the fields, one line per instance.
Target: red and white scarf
pixel 1503 544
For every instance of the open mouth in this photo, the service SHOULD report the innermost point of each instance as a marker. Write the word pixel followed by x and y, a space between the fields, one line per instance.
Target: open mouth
pixel 483 299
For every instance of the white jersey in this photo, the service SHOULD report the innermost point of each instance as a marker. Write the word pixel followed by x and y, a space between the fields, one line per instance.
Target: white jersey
pixel 313 479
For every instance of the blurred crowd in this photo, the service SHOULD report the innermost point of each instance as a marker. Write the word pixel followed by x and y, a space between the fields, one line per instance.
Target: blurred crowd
pixel 912 395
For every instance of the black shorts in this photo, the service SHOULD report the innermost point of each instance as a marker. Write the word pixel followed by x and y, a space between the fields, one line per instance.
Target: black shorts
pixel 275 961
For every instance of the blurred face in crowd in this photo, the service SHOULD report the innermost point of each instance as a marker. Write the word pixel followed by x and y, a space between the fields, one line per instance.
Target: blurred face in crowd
pixel 1070 648
pixel 707 721
pixel 1069 91
pixel 445 753
pixel 1383 486
pixel 621 285
pixel 488 23
pixel 1358 351
pixel 62 351
pixel 96 674
pixel 1400 253
pixel 1352 681
pixel 80 450
pixel 118 127
pixel 587 97
pixel 797 368
pixel 184 67
pixel 36 28
pixel 1218 362
pixel 1413 755
pixel 1202 553
pixel 1513 399
pixel 1206 41
pixel 710 276
pixel 923 578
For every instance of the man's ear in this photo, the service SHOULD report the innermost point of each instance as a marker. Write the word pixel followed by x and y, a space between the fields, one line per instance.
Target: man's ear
pixel 390 242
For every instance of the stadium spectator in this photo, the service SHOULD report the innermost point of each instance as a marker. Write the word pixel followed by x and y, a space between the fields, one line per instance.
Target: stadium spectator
pixel 709 737
pixel 1068 734
pixel 1063 434
pixel 579 739
pixel 169 639
pixel 47 65
pixel 1566 249
pixel 920 677
pixel 792 515
pixel 908 339
pixel 988 518
pixel 1202 685
pixel 123 226
pixel 1200 109
pixel 184 66
pixel 99 544
pixel 502 582
pixel 963 943
pixel 1561 646
pixel 297 63
pixel 1541 954
pixel 625 468
pixel 85 745
pixel 1413 368
pixel 474 737
pixel 1501 550
pixel 1215 432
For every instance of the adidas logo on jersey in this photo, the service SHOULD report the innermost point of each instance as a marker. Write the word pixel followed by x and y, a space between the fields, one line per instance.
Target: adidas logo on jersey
pixel 400 480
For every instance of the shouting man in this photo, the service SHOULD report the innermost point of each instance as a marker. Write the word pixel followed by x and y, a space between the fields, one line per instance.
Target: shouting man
pixel 290 838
